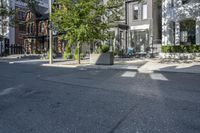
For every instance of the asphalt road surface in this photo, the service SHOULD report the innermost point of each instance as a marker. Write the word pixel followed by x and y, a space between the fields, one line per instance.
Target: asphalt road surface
pixel 35 99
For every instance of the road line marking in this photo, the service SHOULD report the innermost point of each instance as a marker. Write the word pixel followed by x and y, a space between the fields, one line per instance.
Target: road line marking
pixel 9 90
pixel 158 76
pixel 129 74
pixel 11 62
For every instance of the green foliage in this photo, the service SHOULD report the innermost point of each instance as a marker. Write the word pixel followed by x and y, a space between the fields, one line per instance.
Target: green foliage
pixel 118 52
pixel 85 21
pixel 115 10
pixel 67 54
pixel 181 49
pixel 53 55
pixel 114 53
pixel 36 52
pixel 105 49
pixel 81 19
pixel 98 50
pixel 82 55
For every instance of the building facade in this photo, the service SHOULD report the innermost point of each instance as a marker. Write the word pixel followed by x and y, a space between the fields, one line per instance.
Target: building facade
pixel 144 21
pixel 181 22
pixel 118 31
pixel 16 47
pixel 36 37
pixel 4 29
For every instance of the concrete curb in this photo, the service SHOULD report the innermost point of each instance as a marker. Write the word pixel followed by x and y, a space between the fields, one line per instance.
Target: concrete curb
pixel 59 65
pixel 165 71
pixel 91 67
pixel 115 68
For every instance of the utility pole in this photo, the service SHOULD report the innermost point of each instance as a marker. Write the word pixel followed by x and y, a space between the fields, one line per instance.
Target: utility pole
pixel 50 35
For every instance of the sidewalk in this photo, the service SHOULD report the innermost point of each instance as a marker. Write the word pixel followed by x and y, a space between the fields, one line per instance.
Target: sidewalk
pixel 140 65
pixel 21 56
pixel 158 66
pixel 127 64
pixel 132 65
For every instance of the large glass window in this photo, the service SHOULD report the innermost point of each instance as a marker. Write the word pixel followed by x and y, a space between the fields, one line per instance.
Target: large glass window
pixel 172 3
pixel 172 32
pixel 185 1
pixel 188 32
pixel 140 40
pixel 135 12
pixel 22 27
pixel 144 11
pixel 42 27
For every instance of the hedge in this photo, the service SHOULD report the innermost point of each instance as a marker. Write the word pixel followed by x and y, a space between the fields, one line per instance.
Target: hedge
pixel 181 49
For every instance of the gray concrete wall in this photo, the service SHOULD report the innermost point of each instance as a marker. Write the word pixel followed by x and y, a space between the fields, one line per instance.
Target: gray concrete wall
pixel 153 21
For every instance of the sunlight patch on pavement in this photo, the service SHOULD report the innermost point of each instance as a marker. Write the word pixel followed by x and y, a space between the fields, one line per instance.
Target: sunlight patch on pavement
pixel 158 76
pixel 129 74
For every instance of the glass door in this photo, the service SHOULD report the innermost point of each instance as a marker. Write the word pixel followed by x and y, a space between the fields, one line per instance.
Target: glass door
pixel 141 41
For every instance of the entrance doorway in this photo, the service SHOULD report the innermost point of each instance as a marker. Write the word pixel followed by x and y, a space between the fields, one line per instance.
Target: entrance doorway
pixel 140 40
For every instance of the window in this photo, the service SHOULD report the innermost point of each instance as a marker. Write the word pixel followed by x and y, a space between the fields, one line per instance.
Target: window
pixel 144 11
pixel 172 3
pixel 184 36
pixel 42 27
pixel 172 32
pixel 31 28
pixel 188 31
pixel 22 27
pixel 21 15
pixel 27 27
pixel 185 1
pixel 135 12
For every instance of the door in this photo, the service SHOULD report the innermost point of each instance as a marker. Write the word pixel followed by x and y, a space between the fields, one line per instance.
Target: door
pixel 141 41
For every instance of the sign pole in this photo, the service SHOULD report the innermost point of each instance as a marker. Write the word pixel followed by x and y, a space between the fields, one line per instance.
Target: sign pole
pixel 50 35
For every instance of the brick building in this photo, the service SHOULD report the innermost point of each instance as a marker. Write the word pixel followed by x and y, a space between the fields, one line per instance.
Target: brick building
pixel 37 35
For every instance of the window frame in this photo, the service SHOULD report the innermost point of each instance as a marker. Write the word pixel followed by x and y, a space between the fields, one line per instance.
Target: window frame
pixel 135 5
pixel 143 11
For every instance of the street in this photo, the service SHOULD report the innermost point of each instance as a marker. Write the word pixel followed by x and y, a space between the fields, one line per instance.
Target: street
pixel 36 99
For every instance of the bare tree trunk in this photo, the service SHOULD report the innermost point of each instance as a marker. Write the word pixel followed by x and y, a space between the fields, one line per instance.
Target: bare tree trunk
pixel 79 53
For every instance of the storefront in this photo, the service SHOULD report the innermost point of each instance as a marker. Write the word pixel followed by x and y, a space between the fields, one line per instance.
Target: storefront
pixel 139 40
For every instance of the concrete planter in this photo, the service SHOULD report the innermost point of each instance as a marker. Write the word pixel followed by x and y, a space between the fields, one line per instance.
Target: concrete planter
pixel 179 55
pixel 102 59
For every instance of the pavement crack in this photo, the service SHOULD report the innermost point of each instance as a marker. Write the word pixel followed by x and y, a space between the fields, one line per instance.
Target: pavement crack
pixel 122 119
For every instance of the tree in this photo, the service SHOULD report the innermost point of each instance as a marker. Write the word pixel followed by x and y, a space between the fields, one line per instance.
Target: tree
pixel 81 19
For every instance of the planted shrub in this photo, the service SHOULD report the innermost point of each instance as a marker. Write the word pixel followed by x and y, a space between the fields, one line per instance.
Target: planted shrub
pixel 36 52
pixel 181 49
pixel 105 48
pixel 82 55
pixel 67 54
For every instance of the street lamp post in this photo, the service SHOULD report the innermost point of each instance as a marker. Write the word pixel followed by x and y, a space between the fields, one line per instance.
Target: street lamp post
pixel 50 35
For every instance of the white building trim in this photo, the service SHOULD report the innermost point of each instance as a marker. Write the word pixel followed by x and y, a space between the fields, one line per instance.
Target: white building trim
pixel 176 14
pixel 140 27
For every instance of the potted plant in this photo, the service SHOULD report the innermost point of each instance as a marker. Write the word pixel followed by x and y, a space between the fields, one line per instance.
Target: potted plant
pixel 104 57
